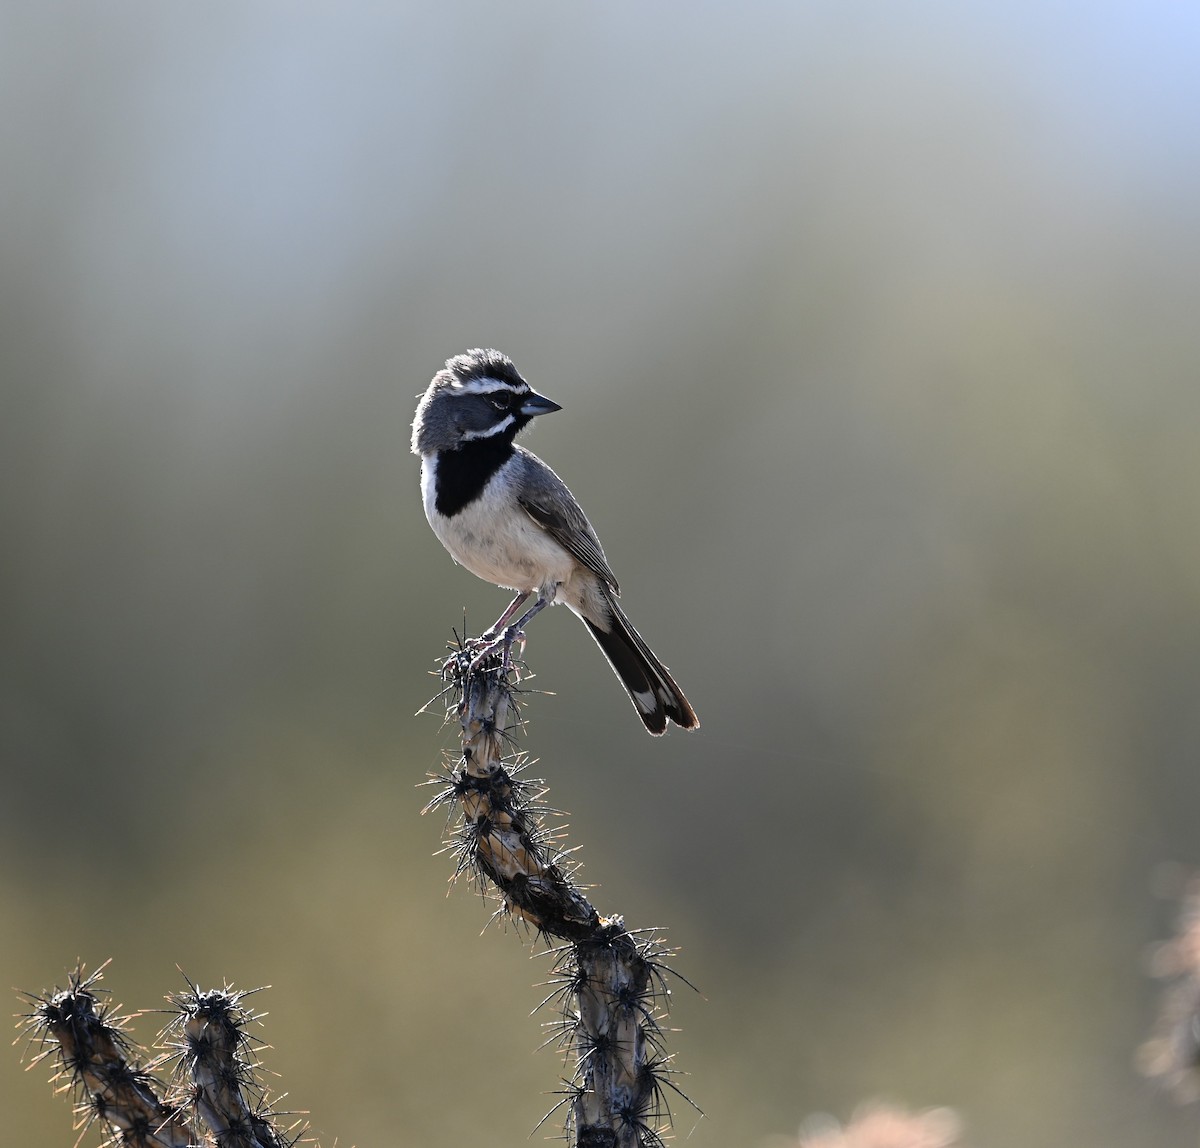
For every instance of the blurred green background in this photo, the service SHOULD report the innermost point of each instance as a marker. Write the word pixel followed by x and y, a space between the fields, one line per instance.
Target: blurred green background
pixel 875 329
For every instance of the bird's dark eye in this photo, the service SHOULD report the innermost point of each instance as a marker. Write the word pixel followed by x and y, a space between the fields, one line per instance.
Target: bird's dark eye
pixel 501 400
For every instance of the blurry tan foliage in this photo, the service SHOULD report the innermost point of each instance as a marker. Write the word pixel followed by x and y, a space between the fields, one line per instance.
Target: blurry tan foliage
pixel 886 1126
pixel 1172 1054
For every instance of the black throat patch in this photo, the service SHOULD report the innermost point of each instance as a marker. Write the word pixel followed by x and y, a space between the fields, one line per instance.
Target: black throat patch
pixel 462 474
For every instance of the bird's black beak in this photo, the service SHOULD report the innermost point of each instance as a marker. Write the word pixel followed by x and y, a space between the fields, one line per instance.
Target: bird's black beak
pixel 534 404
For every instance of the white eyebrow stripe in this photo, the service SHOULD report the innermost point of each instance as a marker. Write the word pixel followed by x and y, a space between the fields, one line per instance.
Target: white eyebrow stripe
pixel 486 386
pixel 502 425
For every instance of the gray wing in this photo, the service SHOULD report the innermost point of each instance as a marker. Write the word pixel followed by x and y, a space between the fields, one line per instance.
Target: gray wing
pixel 545 498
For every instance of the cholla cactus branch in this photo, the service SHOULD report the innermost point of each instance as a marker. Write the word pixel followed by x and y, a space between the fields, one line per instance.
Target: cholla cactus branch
pixel 621 1071
pixel 215 1073
pixel 610 982
pixel 95 1060
pixel 212 1050
pixel 502 837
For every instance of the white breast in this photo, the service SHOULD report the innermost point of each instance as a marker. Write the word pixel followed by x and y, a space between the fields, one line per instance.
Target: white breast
pixel 494 538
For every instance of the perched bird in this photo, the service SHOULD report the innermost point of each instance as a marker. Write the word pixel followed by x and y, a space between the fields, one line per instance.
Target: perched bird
pixel 508 518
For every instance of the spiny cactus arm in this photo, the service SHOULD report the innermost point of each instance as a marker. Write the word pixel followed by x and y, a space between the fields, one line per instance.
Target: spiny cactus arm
pixel 215 1064
pixel 503 838
pixel 612 1027
pixel 214 1098
pixel 610 982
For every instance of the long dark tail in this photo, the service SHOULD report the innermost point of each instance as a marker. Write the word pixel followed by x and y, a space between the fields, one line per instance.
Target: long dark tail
pixel 651 688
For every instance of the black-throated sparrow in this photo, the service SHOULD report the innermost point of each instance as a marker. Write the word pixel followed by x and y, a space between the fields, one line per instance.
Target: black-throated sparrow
pixel 508 518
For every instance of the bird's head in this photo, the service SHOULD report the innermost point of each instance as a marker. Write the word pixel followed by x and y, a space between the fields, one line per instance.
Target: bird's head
pixel 477 396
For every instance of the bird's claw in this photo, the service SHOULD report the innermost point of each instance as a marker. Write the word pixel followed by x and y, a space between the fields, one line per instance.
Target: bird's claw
pixel 483 647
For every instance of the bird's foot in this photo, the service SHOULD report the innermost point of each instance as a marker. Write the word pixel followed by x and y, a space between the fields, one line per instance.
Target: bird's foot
pixel 484 647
